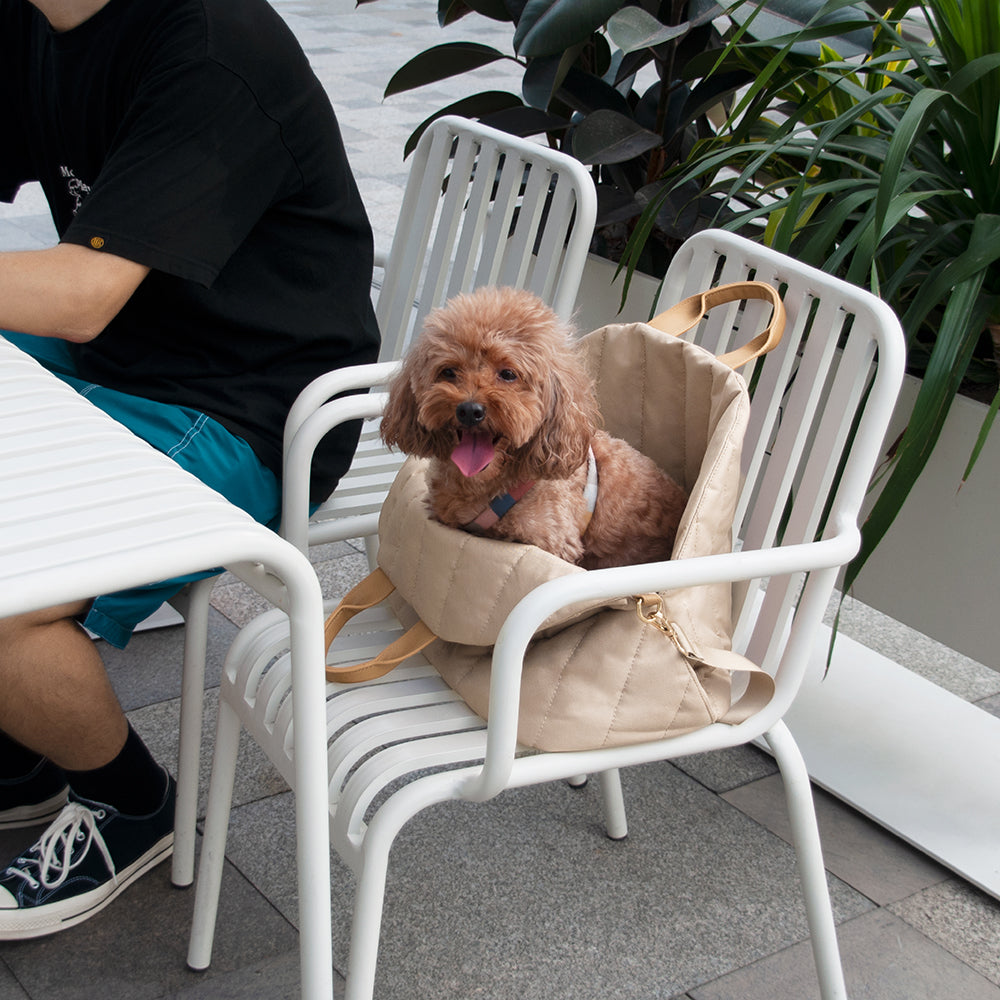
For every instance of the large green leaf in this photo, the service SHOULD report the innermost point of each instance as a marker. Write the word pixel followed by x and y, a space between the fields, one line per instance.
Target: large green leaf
pixel 549 26
pixel 781 73
pixel 632 28
pixel 614 204
pixel 921 111
pixel 475 106
pixel 543 77
pixel 496 10
pixel 586 93
pixel 982 253
pixel 522 121
pixel 609 137
pixel 988 420
pixel 710 93
pixel 449 11
pixel 439 63
pixel 774 21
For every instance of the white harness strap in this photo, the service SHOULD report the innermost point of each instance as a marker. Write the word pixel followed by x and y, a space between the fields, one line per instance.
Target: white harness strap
pixel 499 506
pixel 590 490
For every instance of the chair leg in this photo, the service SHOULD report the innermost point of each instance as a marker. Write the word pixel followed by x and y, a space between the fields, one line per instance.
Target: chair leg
pixel 369 897
pixel 189 741
pixel 802 813
pixel 366 926
pixel 213 848
pixel 613 803
pixel 371 550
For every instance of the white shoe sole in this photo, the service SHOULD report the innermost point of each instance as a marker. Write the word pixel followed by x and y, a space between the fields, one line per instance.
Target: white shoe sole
pixel 34 815
pixel 37 921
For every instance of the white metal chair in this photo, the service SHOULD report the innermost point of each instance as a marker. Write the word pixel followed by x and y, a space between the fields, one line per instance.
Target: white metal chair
pixel 480 207
pixel 821 405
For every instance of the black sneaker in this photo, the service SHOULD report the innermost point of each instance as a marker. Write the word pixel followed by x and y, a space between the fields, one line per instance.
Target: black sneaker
pixel 88 856
pixel 36 798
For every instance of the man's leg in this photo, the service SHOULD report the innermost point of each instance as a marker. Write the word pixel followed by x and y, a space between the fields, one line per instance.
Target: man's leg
pixel 58 700
pixel 118 822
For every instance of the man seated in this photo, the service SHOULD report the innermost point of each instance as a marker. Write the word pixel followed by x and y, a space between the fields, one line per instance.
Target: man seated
pixel 214 257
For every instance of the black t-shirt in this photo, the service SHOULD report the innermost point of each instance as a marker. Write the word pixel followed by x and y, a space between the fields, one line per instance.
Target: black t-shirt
pixel 192 136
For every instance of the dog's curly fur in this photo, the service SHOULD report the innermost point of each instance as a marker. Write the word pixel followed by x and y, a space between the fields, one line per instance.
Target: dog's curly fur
pixel 499 365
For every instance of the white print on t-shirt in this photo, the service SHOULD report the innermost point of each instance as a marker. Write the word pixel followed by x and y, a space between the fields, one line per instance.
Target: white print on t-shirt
pixel 76 188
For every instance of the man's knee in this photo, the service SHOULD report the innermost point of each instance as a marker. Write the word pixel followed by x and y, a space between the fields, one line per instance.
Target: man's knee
pixel 17 625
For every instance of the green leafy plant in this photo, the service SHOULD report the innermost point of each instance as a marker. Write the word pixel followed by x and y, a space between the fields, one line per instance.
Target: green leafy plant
pixel 884 170
pixel 609 82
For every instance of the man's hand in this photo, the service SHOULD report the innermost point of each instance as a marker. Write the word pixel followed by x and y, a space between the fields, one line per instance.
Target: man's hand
pixel 68 291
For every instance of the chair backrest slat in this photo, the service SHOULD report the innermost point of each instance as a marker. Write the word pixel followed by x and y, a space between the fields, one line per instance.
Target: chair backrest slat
pixel 808 452
pixel 483 208
pixel 561 209
pixel 519 251
pixel 461 207
pixel 457 265
pixel 421 199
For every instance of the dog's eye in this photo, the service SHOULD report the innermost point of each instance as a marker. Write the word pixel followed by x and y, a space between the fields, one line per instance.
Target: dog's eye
pixel 447 375
pixel 507 375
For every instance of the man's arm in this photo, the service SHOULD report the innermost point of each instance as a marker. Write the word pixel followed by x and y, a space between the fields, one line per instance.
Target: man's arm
pixel 67 291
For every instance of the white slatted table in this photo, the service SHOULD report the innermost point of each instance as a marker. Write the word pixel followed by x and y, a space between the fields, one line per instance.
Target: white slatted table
pixel 87 508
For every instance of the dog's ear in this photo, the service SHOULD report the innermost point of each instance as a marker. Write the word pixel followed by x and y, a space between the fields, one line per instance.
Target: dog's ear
pixel 400 427
pixel 572 418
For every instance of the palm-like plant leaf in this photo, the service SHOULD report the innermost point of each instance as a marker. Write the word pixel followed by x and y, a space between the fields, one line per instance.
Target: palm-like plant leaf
pixel 884 169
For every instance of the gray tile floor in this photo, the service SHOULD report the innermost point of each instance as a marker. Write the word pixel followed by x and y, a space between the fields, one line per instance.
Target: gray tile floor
pixel 523 897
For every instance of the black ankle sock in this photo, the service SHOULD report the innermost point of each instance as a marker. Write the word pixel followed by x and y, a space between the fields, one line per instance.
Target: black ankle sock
pixel 16 760
pixel 133 783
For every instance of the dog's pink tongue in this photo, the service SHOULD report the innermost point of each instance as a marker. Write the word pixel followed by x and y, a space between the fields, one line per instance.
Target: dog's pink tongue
pixel 474 452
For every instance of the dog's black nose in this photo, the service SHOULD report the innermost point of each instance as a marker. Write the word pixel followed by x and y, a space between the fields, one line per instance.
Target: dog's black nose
pixel 470 413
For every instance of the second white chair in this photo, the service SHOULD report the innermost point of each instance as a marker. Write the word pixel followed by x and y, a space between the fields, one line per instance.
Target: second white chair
pixel 821 403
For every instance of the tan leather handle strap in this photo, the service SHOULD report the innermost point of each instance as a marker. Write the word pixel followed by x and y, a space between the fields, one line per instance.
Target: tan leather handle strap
pixel 409 643
pixel 678 319
pixel 372 590
pixel 760 684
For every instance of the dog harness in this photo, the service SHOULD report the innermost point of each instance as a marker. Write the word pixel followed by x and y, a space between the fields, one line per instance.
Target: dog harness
pixel 590 490
pixel 499 505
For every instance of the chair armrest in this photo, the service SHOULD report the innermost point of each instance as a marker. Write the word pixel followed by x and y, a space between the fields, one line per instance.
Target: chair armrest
pixel 325 387
pixel 527 616
pixel 298 455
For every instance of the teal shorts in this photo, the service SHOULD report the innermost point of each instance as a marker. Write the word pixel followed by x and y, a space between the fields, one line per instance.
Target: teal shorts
pixel 195 442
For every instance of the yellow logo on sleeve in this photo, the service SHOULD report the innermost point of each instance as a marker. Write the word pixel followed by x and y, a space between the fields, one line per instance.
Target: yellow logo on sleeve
pixel 97 242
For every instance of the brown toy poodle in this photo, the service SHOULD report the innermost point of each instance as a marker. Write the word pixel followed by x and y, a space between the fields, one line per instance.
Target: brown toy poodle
pixel 494 393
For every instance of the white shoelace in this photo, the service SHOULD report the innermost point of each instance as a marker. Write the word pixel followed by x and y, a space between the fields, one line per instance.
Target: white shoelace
pixel 55 848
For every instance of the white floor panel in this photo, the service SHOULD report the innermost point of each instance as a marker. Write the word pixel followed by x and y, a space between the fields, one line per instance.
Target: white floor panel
pixel 918 760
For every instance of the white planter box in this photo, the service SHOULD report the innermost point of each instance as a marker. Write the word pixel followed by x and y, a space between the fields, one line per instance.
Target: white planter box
pixel 600 293
pixel 938 567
